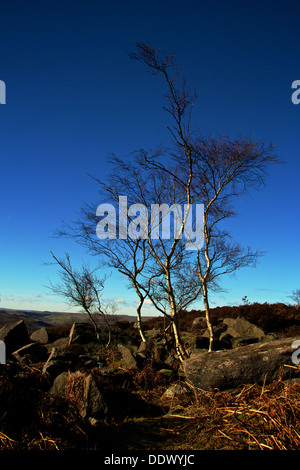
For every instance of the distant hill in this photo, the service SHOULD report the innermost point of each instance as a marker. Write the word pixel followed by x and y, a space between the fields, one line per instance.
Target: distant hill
pixel 35 319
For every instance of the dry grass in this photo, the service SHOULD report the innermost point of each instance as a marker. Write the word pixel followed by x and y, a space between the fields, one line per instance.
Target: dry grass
pixel 75 389
pixel 263 418
pixel 253 418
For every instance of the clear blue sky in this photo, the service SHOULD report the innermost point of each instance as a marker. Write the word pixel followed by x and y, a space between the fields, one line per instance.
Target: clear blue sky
pixel 73 96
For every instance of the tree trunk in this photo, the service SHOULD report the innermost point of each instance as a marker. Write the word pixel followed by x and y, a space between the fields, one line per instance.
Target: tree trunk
pixel 139 319
pixel 108 328
pixel 207 315
pixel 178 343
pixel 97 332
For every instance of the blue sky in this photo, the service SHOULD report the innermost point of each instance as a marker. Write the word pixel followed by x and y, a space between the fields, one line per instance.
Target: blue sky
pixel 73 96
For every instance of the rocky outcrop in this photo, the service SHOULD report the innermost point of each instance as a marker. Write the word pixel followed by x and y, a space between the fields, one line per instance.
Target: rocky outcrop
pixel 242 354
pixel 228 369
pixel 14 335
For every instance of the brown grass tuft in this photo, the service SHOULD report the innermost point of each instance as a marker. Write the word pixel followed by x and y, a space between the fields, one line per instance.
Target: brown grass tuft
pixel 252 418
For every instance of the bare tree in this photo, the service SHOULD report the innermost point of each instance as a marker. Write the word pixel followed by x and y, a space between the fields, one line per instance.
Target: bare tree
pixel 81 288
pixel 212 170
pixel 296 297
pixel 195 169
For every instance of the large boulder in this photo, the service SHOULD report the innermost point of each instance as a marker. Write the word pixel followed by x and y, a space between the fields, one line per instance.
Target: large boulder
pixel 14 335
pixel 228 369
pixel 81 390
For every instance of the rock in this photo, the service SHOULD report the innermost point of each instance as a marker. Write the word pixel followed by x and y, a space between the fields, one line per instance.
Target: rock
pixel 60 343
pixel 40 335
pixel 93 404
pixel 127 356
pixel 234 340
pixel 144 349
pixel 144 352
pixel 59 387
pixel 155 346
pixel 14 335
pixel 179 390
pixel 231 333
pixel 250 364
pixel 81 390
pixel 240 327
pixel 199 322
pixel 82 333
pixel 30 353
pixel 269 337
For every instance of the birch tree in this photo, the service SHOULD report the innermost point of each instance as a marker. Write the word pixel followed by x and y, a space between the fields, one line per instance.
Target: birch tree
pixel 214 171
